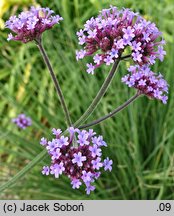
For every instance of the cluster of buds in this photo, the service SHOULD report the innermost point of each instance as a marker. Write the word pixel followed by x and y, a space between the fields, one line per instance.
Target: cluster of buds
pixel 22 121
pixel 108 35
pixel 31 24
pixel 147 82
pixel 77 156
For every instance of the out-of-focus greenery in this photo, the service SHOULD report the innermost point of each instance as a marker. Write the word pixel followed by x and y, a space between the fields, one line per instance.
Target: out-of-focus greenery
pixel 140 139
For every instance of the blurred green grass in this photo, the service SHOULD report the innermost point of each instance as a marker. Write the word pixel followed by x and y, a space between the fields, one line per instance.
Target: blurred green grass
pixel 140 139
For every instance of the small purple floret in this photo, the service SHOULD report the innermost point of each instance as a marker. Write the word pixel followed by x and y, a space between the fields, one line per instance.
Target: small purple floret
pixel 78 158
pixel 107 164
pixel 76 183
pixel 22 121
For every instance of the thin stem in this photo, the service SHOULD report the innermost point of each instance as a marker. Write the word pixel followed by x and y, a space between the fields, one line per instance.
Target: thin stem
pixel 99 95
pixel 125 57
pixel 56 82
pixel 123 106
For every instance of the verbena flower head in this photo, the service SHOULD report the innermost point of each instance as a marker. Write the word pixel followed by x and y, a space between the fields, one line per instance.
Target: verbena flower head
pixel 147 82
pixel 22 121
pixel 82 164
pixel 108 35
pixel 29 25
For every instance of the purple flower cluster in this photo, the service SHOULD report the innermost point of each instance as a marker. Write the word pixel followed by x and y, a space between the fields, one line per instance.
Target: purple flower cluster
pixel 81 163
pixel 147 82
pixel 22 121
pixel 31 24
pixel 108 35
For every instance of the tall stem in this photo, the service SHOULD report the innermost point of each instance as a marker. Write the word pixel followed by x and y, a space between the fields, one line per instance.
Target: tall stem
pixel 99 95
pixel 55 80
pixel 111 113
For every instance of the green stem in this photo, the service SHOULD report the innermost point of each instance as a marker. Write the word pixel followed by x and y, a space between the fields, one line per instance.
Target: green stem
pixel 125 57
pixel 99 95
pixel 56 82
pixel 123 106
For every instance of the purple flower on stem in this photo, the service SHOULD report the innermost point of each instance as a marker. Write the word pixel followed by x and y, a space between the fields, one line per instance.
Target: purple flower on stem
pixel 46 170
pixel 152 60
pixel 142 82
pixel 80 54
pixel 90 69
pixel 82 138
pixel 22 121
pixel 57 169
pixel 112 31
pixel 92 33
pixel 137 56
pixel 43 141
pixel 10 37
pixel 83 141
pixel 82 40
pixel 128 33
pixel 87 176
pixel 91 133
pixel 76 183
pixel 31 24
pixel 56 154
pixel 136 46
pixel 78 158
pixel 51 145
pixel 127 41
pixel 109 60
pixel 72 130
pixel 89 188
pixel 99 141
pixel 81 163
pixel 56 132
pixel 97 163
pixel 97 175
pixel 147 82
pixel 119 44
pixel 63 141
pixel 114 53
pixel 80 33
pixel 107 164
pixel 97 59
pixel 95 150
pixel 164 99
pixel 146 36
pixel 161 53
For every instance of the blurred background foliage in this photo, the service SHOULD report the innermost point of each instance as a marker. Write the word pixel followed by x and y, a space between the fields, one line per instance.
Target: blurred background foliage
pixel 140 139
